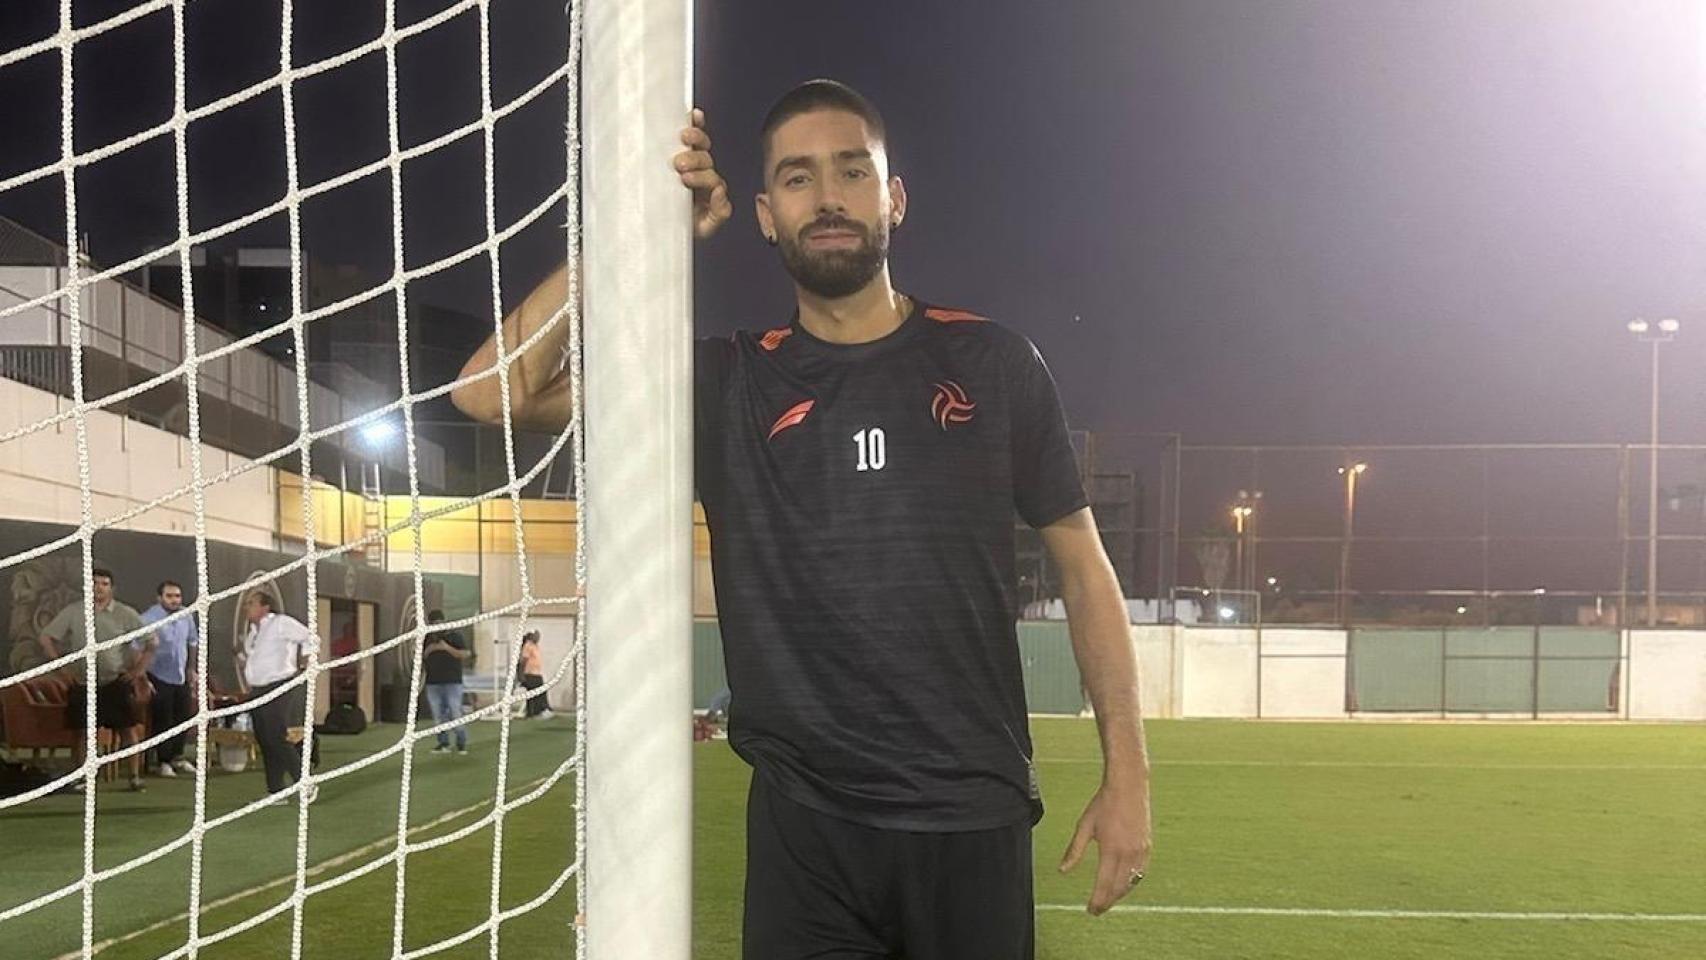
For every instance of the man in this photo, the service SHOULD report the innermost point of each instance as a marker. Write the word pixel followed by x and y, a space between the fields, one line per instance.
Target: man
pixel 530 669
pixel 117 671
pixel 443 666
pixel 860 468
pixel 274 652
pixel 170 652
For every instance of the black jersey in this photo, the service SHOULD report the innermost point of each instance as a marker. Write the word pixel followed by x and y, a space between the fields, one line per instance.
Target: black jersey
pixel 860 500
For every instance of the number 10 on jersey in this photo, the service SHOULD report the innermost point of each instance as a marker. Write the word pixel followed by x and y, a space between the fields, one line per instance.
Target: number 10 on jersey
pixel 873 449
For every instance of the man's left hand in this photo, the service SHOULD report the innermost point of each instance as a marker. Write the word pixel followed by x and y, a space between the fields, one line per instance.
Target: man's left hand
pixel 1117 818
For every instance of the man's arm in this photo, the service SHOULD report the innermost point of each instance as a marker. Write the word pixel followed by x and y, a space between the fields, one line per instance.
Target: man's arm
pixel 538 386
pixel 1118 816
pixel 539 394
pixel 53 633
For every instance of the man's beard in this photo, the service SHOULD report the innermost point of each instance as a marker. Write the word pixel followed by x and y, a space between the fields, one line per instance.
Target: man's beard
pixel 833 274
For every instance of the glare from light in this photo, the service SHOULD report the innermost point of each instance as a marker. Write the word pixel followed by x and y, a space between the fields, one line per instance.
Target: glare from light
pixel 1273 581
pixel 1670 325
pixel 1227 613
pixel 1638 326
pixel 376 433
pixel 1461 610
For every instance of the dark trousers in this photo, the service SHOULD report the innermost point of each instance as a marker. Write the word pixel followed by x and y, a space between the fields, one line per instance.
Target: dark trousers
pixel 535 705
pixel 823 888
pixel 272 720
pixel 171 706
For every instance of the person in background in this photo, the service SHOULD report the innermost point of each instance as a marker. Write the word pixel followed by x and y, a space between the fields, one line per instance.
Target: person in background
pixel 445 653
pixel 274 651
pixel 117 667
pixel 171 651
pixel 532 670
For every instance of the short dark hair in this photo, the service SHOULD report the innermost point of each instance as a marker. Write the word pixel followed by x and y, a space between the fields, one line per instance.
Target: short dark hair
pixel 822 94
pixel 167 583
pixel 102 572
pixel 435 616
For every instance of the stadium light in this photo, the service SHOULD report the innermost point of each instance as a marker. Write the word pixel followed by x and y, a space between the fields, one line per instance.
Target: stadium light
pixel 375 434
pixel 1667 330
pixel 1227 613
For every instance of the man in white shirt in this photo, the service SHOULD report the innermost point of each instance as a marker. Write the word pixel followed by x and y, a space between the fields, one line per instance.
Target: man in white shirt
pixel 273 653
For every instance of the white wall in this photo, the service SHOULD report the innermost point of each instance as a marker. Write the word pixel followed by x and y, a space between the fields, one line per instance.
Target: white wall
pixel 1219 667
pixel 1303 673
pixel 1187 671
pixel 130 463
pixel 1667 675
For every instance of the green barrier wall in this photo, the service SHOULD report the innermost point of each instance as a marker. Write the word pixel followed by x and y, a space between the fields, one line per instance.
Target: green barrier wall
pixel 1045 650
pixel 1485 670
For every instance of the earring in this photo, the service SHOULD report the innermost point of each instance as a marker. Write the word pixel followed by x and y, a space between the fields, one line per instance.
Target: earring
pixel 770 238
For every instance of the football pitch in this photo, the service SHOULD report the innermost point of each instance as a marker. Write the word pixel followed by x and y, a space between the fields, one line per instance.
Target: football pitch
pixel 1273 840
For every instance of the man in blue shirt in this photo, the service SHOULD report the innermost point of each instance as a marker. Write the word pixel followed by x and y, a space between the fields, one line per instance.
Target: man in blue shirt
pixel 169 653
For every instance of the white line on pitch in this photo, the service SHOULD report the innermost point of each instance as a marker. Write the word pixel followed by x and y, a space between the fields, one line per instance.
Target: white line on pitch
pixel 1386 914
pixel 1395 764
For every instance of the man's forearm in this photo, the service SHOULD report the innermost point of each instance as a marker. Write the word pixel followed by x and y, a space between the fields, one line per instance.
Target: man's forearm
pixel 1101 642
pixel 533 372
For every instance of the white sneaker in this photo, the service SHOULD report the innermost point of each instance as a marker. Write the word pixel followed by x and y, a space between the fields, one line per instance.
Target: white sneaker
pixel 544 715
pixel 164 770
pixel 184 767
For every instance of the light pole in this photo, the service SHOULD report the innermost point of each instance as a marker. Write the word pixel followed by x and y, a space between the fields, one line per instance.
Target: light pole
pixel 1655 334
pixel 1240 514
pixel 1350 473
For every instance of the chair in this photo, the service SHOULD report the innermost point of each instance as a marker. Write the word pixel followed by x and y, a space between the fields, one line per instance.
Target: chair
pixel 35 720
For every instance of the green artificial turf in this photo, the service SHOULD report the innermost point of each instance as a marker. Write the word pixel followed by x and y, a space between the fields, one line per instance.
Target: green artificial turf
pixel 1425 818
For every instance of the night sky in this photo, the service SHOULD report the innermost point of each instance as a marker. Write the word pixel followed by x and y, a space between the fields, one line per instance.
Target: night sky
pixel 1371 221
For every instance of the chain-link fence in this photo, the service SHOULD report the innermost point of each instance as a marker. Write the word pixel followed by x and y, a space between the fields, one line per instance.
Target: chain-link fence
pixel 1438 535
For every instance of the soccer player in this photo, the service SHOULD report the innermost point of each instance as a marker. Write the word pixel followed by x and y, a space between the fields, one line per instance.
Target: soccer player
pixel 860 467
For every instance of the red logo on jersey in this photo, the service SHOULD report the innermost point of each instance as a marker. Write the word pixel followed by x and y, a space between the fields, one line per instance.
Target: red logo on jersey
pixel 951 405
pixel 946 315
pixel 792 418
pixel 773 339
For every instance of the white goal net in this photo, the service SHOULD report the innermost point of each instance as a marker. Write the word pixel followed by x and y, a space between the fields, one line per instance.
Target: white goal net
pixel 255 477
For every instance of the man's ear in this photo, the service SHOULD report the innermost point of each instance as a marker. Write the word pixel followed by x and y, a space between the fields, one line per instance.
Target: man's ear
pixel 766 221
pixel 897 202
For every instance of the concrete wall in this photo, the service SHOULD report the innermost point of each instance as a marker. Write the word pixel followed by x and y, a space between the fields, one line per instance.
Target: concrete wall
pixel 1293 673
pixel 130 464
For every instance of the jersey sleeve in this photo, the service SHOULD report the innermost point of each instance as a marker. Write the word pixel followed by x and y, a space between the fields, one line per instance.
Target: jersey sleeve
pixel 1046 484
pixel 713 359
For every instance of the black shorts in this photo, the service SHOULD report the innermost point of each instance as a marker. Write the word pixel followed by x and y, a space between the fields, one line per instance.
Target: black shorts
pixel 830 889
pixel 115 705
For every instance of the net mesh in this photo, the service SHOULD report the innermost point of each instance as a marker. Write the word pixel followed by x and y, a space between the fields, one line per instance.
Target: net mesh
pixel 307 878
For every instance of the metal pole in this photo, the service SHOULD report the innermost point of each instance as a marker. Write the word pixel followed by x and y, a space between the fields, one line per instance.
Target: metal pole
pixel 1345 542
pixel 639 496
pixel 1238 550
pixel 1623 538
pixel 1653 499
